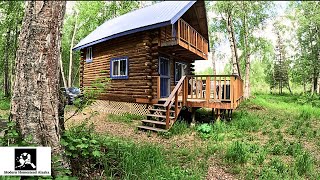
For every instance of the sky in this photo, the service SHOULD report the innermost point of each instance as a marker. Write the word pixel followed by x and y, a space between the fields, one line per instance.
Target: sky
pixel 224 48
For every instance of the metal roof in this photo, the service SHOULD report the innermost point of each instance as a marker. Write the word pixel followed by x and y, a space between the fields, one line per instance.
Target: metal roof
pixel 154 16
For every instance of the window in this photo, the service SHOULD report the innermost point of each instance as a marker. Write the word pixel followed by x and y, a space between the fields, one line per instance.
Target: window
pixel 180 70
pixel 119 68
pixel 89 55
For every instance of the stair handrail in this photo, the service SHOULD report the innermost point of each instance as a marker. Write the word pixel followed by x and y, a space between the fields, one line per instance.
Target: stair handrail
pixel 174 95
pixel 176 88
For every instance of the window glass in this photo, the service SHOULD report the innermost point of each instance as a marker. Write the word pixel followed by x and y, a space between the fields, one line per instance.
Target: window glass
pixel 89 54
pixel 119 68
pixel 123 67
pixel 115 68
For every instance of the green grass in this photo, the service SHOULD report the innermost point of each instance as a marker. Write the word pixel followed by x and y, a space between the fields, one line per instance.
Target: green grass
pixel 124 159
pixel 124 118
pixel 269 137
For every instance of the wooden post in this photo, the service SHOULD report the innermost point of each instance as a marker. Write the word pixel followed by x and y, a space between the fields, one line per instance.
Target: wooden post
pixel 176 105
pixel 188 35
pixel 185 91
pixel 225 88
pixel 191 87
pixel 168 117
pixel 178 31
pixel 214 88
pixel 208 86
pixel 193 116
pixel 231 91
pixel 196 79
pixel 158 87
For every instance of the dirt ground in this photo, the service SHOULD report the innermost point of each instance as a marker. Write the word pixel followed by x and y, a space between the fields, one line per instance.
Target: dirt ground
pixel 129 131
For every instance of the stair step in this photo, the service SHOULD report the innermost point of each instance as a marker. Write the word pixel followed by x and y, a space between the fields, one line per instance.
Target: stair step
pixel 152 129
pixel 161 110
pixel 154 122
pixel 159 116
pixel 161 105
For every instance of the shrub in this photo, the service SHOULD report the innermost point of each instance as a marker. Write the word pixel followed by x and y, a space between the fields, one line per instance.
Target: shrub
pixel 205 130
pixel 237 152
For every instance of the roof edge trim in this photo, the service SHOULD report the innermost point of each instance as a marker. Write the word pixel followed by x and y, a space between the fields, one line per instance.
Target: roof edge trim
pixel 153 26
pixel 181 12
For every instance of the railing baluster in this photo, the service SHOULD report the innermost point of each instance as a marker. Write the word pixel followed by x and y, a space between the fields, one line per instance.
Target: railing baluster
pixel 196 79
pixel 214 88
pixel 225 88
pixel 192 87
pixel 220 89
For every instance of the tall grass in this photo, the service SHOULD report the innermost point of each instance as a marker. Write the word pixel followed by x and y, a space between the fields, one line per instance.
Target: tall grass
pixel 123 159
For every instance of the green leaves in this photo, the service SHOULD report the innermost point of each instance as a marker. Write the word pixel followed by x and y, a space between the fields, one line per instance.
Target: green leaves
pixel 96 153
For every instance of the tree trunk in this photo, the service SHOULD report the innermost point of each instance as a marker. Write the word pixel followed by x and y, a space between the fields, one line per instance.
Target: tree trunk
pixel 213 62
pixel 7 87
pixel 319 85
pixel 234 56
pixel 70 51
pixel 246 94
pixel 35 101
pixel 16 33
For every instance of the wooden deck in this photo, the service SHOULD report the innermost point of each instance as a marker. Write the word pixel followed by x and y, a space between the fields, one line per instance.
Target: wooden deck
pixel 219 92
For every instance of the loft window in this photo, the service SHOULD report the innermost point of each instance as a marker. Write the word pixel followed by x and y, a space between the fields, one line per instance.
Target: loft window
pixel 180 70
pixel 119 68
pixel 89 55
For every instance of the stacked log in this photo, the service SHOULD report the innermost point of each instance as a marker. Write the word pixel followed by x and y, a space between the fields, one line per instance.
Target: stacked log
pixel 137 47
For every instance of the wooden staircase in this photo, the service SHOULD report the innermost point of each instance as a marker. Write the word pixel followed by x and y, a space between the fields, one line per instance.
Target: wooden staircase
pixel 163 115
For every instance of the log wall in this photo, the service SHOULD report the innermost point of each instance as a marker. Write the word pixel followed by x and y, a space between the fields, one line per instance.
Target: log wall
pixel 137 48
pixel 143 51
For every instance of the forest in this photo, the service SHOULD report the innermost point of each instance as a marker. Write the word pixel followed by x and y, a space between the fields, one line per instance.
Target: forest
pixel 274 134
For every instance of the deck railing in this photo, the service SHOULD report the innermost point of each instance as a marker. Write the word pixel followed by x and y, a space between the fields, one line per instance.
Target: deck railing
pixel 186 36
pixel 215 88
pixel 191 37
pixel 208 88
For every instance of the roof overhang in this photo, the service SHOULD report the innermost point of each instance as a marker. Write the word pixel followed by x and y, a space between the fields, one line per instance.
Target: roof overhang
pixel 144 28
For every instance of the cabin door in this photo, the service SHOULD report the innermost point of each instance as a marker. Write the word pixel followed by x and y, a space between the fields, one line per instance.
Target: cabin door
pixel 164 71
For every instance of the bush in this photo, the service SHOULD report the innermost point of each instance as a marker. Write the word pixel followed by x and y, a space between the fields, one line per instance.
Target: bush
pixel 205 130
pixel 237 152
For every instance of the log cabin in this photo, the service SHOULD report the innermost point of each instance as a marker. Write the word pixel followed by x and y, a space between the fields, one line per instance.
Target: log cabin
pixel 149 54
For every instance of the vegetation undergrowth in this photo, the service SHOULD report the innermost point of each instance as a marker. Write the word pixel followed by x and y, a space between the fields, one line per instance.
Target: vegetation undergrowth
pixel 105 156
